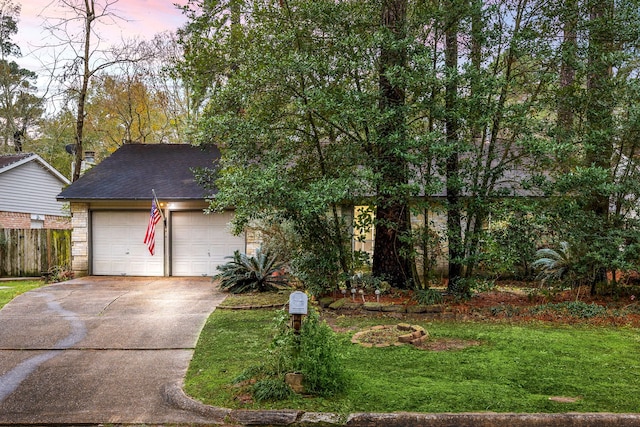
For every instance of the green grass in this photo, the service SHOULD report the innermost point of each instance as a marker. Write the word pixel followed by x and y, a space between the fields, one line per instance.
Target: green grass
pixel 256 299
pixel 517 368
pixel 11 289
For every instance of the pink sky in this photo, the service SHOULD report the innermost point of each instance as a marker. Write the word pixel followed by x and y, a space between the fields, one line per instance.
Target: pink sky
pixel 144 19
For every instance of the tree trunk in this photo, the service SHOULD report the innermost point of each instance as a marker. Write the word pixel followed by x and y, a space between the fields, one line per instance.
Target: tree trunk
pixel 599 139
pixel 82 96
pixel 392 256
pixel 453 184
pixel 567 71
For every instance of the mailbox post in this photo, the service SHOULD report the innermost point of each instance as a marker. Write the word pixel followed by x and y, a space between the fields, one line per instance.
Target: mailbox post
pixel 298 302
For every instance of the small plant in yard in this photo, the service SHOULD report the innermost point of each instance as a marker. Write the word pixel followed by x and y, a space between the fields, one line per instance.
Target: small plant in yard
pixel 58 273
pixel 554 265
pixel 313 353
pixel 428 296
pixel 252 274
pixel 573 308
pixel 271 389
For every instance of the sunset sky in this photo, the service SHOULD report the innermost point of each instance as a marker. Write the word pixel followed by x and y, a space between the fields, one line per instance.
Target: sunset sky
pixel 142 18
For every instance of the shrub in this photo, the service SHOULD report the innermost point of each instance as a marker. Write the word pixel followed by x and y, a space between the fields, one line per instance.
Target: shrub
pixel 251 274
pixel 271 389
pixel 58 274
pixel 554 265
pixel 428 296
pixel 313 353
pixel 573 308
pixel 318 357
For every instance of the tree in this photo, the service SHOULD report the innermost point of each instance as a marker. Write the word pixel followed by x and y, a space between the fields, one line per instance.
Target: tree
pixel 19 105
pixel 141 101
pixel 452 129
pixel 322 104
pixel 392 256
pixel 87 58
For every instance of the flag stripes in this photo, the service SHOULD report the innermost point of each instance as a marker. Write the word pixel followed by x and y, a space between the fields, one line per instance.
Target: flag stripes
pixel 150 236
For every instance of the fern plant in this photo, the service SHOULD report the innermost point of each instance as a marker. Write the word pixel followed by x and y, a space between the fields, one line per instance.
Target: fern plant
pixel 243 274
pixel 554 265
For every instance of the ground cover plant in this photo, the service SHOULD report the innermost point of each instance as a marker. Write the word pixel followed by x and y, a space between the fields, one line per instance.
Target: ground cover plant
pixel 519 366
pixel 11 289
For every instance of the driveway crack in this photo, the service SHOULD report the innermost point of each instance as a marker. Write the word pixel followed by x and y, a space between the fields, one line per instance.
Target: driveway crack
pixel 106 307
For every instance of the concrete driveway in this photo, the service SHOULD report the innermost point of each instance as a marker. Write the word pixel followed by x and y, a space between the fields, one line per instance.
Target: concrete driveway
pixel 100 349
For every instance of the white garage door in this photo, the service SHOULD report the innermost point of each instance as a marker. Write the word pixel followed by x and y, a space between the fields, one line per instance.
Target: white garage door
pixel 118 244
pixel 199 242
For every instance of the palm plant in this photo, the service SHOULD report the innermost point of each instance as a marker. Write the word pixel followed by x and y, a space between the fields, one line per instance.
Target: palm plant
pixel 252 274
pixel 554 265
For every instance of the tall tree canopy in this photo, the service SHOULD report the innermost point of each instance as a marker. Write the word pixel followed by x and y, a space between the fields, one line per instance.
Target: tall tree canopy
pixel 454 106
pixel 19 104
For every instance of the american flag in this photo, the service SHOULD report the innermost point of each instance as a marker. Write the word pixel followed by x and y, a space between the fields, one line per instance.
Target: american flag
pixel 150 237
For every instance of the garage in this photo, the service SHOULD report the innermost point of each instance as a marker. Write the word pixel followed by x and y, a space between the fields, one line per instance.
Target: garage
pixel 199 242
pixel 118 248
pixel 111 203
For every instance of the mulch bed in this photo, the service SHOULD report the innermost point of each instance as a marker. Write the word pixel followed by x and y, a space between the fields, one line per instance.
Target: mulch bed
pixel 518 302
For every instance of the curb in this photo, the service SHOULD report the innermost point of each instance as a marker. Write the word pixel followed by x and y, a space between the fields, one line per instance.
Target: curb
pixel 175 396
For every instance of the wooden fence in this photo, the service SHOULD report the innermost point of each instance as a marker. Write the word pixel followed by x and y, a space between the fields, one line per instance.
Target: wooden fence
pixel 25 253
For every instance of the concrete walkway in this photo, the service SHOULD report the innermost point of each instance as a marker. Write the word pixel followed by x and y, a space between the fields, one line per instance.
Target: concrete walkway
pixel 101 350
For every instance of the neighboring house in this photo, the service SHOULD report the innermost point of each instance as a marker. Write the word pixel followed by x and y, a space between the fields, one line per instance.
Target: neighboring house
pixel 111 204
pixel 28 189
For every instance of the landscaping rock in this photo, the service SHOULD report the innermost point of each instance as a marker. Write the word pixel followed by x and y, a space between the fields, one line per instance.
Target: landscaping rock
pixel 338 304
pixel 393 308
pixel 418 328
pixel 372 306
pixel 407 338
pixel 425 309
pixel 419 340
pixel 320 419
pixel 404 327
pixel 325 302
pixel 416 309
pixel 274 417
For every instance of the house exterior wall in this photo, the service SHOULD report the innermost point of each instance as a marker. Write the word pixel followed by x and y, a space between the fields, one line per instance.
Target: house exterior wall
pixel 31 189
pixel 20 220
pixel 436 221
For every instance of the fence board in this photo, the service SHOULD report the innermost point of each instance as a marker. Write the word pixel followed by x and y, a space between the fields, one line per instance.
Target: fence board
pixel 30 252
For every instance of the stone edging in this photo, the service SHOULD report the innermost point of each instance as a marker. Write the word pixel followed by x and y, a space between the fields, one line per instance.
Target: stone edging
pixel 175 396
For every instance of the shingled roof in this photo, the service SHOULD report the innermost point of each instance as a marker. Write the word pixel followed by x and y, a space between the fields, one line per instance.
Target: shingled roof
pixel 134 169
pixel 9 159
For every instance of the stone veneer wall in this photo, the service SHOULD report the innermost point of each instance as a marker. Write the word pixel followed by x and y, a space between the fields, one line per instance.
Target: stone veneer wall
pixel 253 241
pixel 80 239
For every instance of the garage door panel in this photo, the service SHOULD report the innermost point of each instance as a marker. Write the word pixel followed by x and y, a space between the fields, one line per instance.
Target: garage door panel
pixel 118 244
pixel 201 242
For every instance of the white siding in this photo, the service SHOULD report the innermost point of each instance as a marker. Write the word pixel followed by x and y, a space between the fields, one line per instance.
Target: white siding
pixel 30 188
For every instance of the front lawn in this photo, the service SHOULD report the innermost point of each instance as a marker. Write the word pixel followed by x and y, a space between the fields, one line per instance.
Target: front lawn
pixel 523 367
pixel 11 289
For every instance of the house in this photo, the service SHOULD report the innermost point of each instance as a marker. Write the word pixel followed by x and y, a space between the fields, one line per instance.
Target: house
pixel 111 205
pixel 28 190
